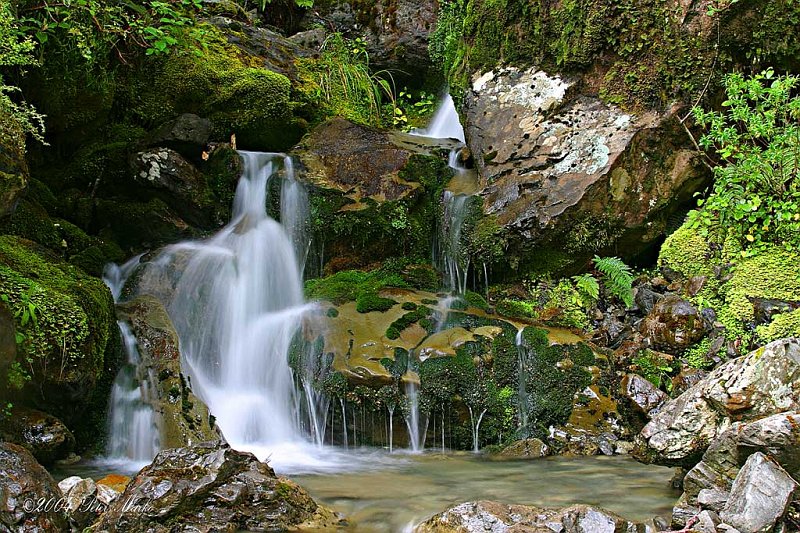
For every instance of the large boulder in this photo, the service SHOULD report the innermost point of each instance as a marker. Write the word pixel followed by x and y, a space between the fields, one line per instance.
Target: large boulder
pixel 477 517
pixel 211 487
pixel 187 134
pixel 45 436
pixel 764 382
pixel 571 174
pixel 184 418
pixel 174 179
pixel 760 496
pixel 29 496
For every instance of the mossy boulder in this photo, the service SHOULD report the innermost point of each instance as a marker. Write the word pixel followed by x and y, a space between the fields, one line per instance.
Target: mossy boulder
pixel 373 193
pixel 222 82
pixel 183 418
pixel 70 347
pixel 743 288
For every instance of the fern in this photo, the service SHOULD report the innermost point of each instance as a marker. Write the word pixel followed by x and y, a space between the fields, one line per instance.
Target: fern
pixel 588 288
pixel 617 277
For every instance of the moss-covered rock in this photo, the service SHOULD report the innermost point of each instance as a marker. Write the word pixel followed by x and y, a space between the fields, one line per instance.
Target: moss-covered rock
pixel 67 320
pixel 222 82
pixel 373 193
pixel 13 166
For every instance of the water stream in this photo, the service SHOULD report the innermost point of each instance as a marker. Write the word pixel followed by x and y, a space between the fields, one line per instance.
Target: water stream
pixel 133 427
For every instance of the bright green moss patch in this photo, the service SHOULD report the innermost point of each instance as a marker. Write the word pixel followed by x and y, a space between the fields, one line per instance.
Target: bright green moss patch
pixel 782 326
pixel 772 274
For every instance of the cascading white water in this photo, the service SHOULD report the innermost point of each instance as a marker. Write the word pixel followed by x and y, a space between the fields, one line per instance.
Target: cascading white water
pixel 133 425
pixel 237 305
pixel 133 433
pixel 445 123
pixel 416 424
pixel 523 398
pixel 447 252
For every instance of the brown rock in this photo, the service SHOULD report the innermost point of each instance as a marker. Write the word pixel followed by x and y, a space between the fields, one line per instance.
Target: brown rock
pixel 45 436
pixel 673 325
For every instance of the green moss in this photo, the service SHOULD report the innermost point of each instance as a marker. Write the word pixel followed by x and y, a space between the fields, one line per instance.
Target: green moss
pixel 782 326
pixel 476 300
pixel 772 274
pixel 219 82
pixel 396 328
pixel 564 307
pixel 514 308
pixel 686 252
pixel 367 302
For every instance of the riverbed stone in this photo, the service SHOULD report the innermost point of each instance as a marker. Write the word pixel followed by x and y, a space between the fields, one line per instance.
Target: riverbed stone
pixel 764 382
pixel 672 325
pixel 526 449
pixel 23 483
pixel 760 495
pixel 643 395
pixel 481 516
pixel 211 487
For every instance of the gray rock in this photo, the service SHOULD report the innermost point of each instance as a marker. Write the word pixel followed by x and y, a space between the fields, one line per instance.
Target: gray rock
pixel 526 449
pixel 554 163
pixel 706 522
pixel 683 512
pixel 482 516
pixel 762 383
pixel 187 134
pixel 760 495
pixel 712 499
pixel 45 436
pixel 211 487
pixel 644 396
pixel 166 174
pixel 646 299
pixel 23 484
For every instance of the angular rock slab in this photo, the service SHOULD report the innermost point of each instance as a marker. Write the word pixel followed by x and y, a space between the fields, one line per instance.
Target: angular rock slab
pixel 762 383
pixel 478 517
pixel 211 487
pixel 760 496
pixel 23 484
pixel 644 396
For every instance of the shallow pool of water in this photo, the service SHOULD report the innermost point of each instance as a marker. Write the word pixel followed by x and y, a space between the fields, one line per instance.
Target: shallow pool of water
pixel 408 489
pixel 381 492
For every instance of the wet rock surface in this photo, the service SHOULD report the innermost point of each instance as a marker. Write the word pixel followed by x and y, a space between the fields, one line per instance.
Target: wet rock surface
pixel 644 396
pixel 185 419
pixel 23 484
pixel 45 436
pixel 673 324
pixel 188 134
pixel 475 517
pixel 211 487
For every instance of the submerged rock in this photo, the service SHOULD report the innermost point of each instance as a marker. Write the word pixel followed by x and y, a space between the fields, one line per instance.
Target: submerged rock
pixel 554 164
pixel 211 487
pixel 45 436
pixel 762 383
pixel 478 517
pixel 29 497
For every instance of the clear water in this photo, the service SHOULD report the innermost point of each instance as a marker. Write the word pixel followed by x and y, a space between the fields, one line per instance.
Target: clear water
pixel 384 493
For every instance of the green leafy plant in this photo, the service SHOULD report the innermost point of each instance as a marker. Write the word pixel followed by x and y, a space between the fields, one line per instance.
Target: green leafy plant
pixel 588 288
pixel 617 277
pixel 756 191
pixel 655 368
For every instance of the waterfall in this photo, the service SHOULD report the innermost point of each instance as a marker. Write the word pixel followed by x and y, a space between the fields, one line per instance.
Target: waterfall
pixel 237 306
pixel 417 428
pixel 447 253
pixel 133 433
pixel 523 399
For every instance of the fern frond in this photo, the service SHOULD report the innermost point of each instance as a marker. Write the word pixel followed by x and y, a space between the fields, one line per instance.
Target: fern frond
pixel 617 277
pixel 588 288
